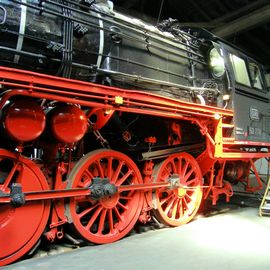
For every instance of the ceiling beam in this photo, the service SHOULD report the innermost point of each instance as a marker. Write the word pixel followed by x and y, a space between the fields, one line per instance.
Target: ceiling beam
pixel 244 23
pixel 243 10
pixel 200 10
pixel 220 21
pixel 262 50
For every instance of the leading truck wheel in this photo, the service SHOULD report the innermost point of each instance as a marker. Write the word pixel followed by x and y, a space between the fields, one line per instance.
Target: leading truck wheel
pixel 111 217
pixel 178 204
pixel 21 226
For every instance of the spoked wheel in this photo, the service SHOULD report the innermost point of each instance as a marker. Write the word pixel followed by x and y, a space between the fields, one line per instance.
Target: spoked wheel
pixel 20 227
pixel 112 217
pixel 177 206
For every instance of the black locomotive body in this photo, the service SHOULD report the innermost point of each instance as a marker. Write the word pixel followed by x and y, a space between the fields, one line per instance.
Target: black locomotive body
pixel 97 44
pixel 92 42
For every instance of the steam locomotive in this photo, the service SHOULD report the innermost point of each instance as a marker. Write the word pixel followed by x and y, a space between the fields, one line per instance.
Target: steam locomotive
pixel 107 120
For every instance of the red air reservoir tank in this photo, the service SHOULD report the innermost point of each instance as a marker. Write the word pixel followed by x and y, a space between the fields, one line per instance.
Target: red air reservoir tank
pixel 23 120
pixel 68 123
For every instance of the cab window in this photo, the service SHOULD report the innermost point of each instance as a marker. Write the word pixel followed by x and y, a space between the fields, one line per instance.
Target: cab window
pixel 240 70
pixel 255 75
pixel 267 78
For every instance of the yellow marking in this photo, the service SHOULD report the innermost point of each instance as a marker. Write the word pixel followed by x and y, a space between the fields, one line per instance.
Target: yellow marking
pixel 181 192
pixel 118 100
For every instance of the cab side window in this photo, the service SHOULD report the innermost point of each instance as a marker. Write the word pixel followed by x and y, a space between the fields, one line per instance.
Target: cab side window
pixel 240 70
pixel 247 72
pixel 255 75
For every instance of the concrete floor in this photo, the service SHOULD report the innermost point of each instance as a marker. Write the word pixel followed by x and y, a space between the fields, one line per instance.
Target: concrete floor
pixel 231 238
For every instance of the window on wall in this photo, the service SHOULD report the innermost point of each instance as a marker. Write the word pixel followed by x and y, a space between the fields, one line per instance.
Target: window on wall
pixel 240 70
pixel 255 74
pixel 267 78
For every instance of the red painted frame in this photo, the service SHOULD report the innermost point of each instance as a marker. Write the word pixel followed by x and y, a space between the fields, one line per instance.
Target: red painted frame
pixel 208 118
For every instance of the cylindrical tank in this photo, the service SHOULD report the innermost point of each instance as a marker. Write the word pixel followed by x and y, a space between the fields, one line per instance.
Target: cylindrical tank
pixel 87 41
pixel 44 41
pixel 23 120
pixel 75 39
pixel 67 123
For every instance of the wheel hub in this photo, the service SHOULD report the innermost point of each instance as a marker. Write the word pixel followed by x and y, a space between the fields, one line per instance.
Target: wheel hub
pixel 101 187
pixel 16 195
pixel 174 180
pixel 181 192
pixel 110 201
pixel 177 185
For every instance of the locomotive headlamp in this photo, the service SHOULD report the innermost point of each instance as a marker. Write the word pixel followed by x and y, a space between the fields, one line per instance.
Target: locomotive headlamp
pixel 216 63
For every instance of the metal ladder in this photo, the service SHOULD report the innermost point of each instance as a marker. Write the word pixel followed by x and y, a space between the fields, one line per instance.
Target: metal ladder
pixel 265 204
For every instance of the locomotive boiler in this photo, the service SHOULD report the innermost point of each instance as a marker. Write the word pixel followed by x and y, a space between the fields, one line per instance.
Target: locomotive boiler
pixel 107 120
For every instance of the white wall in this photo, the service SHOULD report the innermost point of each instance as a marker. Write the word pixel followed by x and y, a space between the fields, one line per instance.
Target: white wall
pixel 262 166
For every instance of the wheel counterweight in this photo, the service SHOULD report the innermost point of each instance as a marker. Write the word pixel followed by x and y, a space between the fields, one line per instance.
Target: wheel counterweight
pixel 20 227
pixel 178 205
pixel 109 218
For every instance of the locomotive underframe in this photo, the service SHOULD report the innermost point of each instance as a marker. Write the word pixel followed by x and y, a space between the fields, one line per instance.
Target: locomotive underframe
pixel 222 158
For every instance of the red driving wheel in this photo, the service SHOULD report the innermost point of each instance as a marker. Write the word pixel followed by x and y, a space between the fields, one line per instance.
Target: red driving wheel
pixel 20 227
pixel 112 217
pixel 179 205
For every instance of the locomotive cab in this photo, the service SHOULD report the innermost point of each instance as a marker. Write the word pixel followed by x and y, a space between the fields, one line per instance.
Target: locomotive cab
pixel 245 87
pixel 250 95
